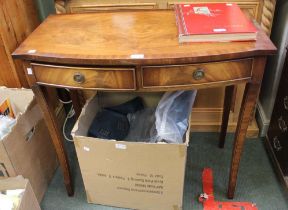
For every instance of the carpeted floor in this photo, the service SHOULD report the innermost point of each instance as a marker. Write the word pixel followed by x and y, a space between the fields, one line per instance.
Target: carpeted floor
pixel 257 181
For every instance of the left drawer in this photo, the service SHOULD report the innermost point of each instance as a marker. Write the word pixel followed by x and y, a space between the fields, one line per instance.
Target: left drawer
pixel 85 77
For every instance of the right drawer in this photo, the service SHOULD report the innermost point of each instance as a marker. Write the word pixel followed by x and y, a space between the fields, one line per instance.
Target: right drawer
pixel 196 74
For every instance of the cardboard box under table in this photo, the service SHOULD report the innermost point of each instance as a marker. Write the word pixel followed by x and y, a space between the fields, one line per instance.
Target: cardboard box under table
pixel 129 174
pixel 27 199
pixel 27 150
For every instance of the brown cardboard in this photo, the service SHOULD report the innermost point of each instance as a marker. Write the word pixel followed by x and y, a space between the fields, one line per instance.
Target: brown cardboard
pixel 125 174
pixel 27 149
pixel 28 200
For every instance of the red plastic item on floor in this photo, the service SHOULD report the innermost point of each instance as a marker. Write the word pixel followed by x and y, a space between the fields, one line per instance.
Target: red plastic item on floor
pixel 207 198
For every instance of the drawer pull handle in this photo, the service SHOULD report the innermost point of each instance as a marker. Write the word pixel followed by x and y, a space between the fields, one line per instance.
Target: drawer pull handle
pixel 79 78
pixel 276 144
pixel 282 124
pixel 198 74
pixel 286 102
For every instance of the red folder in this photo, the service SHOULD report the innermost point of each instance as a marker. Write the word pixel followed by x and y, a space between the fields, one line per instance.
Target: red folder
pixel 213 22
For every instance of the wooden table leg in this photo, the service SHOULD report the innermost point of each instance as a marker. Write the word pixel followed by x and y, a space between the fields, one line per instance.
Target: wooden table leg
pixel 57 138
pixel 229 90
pixel 245 116
pixel 76 101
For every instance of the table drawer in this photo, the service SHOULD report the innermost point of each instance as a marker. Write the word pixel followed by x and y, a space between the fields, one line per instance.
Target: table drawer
pixel 196 74
pixel 82 77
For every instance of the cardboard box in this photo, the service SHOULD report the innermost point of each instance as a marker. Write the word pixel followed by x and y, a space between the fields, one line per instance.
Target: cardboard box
pixel 129 174
pixel 28 199
pixel 27 150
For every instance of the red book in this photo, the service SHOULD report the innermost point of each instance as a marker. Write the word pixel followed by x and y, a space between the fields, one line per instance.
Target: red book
pixel 213 22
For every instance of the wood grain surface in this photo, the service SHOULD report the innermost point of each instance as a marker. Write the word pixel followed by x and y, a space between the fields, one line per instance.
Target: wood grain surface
pixel 17 20
pixel 127 38
pixel 183 75
pixel 247 108
pixel 94 78
pixel 228 99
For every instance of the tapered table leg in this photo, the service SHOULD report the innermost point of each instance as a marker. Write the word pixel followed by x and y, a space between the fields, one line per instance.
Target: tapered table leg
pixel 245 116
pixel 76 101
pixel 229 90
pixel 57 138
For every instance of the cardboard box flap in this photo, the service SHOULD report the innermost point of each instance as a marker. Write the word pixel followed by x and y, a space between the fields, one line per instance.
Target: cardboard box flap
pixel 28 200
pixel 20 98
pixel 13 183
pixel 83 123
pixel 26 125
pixel 6 168
pixel 25 108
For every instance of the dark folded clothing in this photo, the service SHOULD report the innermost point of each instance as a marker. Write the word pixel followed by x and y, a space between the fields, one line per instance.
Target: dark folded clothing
pixel 131 106
pixel 112 122
pixel 109 124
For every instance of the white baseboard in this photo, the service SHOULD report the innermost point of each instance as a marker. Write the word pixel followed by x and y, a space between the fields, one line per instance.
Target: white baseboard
pixel 262 120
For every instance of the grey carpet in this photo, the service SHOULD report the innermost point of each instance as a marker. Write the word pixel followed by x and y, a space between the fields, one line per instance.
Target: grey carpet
pixel 257 181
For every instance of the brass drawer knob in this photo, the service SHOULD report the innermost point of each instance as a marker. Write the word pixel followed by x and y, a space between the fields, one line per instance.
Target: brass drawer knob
pixel 198 74
pixel 79 78
pixel 286 102
pixel 276 144
pixel 282 124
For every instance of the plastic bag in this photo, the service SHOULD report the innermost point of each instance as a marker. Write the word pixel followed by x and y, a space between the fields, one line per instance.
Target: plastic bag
pixel 6 124
pixel 142 125
pixel 172 115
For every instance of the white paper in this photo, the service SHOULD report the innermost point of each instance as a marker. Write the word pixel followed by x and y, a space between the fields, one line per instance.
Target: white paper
pixel 87 149
pixel 32 51
pixel 137 56
pixel 120 146
pixel 29 71
pixel 219 29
